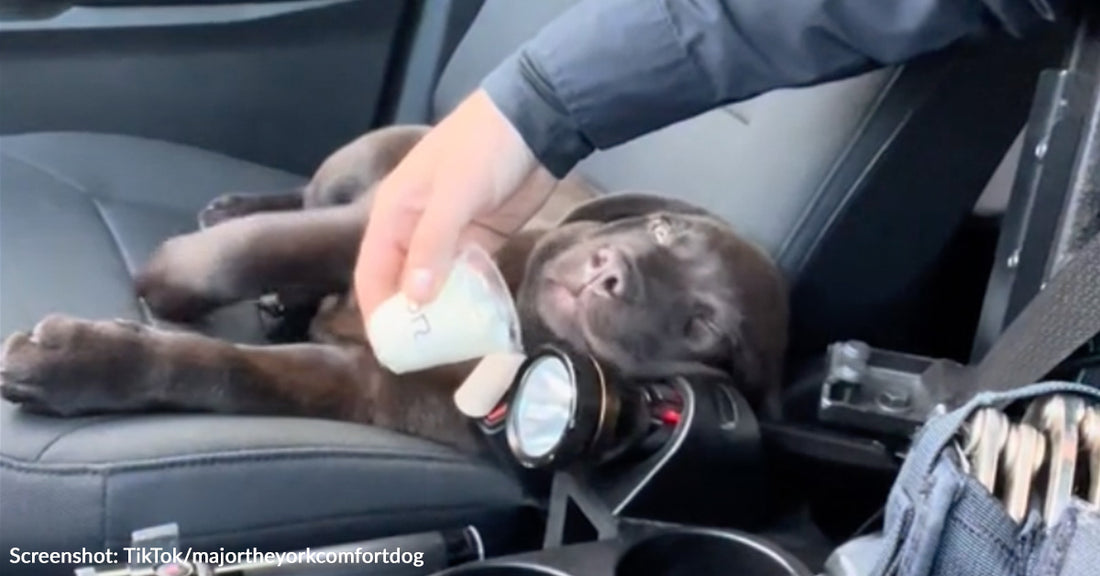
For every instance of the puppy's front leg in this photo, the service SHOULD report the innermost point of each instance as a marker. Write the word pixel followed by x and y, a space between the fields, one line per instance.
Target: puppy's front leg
pixel 70 367
pixel 311 252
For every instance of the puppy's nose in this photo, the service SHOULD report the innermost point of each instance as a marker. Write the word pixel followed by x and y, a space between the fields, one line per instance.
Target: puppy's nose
pixel 607 273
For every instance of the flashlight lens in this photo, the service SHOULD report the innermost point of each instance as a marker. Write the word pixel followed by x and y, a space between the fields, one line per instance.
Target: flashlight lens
pixel 544 407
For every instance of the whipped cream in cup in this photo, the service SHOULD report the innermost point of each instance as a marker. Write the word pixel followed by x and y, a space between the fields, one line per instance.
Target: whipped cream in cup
pixel 472 316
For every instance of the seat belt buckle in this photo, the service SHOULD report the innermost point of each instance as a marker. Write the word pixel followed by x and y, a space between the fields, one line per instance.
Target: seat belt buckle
pixel 882 391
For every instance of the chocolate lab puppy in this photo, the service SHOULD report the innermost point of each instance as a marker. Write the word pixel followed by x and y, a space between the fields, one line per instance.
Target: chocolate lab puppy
pixel 650 287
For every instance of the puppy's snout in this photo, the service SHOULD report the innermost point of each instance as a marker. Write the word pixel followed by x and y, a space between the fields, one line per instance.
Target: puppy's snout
pixel 607 273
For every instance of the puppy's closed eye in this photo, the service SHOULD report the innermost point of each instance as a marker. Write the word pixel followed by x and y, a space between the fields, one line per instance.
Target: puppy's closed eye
pixel 662 230
pixel 700 327
pixel 694 327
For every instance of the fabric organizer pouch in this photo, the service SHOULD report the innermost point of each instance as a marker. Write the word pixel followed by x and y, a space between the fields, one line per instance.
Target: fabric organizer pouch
pixel 1006 485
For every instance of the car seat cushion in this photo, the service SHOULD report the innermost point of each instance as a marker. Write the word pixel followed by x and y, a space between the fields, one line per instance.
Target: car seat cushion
pixel 227 480
pixel 79 214
pixel 83 212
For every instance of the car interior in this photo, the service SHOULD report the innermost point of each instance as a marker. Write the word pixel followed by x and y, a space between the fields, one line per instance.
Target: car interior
pixel 884 198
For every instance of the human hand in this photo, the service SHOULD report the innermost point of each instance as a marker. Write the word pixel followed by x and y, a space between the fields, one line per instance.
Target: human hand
pixel 471 178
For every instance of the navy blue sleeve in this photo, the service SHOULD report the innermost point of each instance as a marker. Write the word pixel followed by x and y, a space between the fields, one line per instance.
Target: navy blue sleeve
pixel 607 71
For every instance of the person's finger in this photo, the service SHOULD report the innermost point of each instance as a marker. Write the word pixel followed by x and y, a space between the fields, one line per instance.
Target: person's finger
pixel 449 221
pixel 381 258
pixel 433 246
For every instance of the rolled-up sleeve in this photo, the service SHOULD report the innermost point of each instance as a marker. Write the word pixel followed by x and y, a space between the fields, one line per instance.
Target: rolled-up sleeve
pixel 607 71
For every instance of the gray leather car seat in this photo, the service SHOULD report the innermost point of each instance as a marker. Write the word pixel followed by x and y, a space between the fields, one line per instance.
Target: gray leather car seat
pixel 80 212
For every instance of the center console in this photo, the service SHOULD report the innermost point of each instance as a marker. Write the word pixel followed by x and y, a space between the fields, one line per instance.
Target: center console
pixel 648 479
pixel 672 450
pixel 643 548
pixel 623 546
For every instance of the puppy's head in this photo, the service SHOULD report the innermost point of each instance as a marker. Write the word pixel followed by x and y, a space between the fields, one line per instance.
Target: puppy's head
pixel 656 287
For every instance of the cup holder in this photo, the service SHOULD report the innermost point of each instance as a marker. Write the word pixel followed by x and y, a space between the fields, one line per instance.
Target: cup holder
pixel 503 570
pixel 703 552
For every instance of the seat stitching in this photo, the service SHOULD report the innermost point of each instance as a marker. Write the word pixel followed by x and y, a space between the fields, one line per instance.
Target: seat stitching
pixel 47 172
pixel 170 147
pixel 231 453
pixel 104 535
pixel 104 473
pixel 65 434
pixel 269 527
pixel 338 518
pixel 73 184
pixel 223 459
pixel 117 239
pixel 817 197
pixel 114 234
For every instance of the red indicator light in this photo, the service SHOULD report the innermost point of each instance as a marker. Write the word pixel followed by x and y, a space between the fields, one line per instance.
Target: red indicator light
pixel 670 417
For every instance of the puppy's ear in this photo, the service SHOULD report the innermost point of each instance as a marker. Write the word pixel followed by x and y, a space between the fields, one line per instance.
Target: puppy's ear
pixel 624 205
pixel 757 350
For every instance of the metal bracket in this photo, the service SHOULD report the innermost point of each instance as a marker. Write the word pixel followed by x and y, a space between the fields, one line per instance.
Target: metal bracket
pixel 881 391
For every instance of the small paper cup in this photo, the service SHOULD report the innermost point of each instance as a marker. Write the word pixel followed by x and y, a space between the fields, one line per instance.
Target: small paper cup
pixel 472 316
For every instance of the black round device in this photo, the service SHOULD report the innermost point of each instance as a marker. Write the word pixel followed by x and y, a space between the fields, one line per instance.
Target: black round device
pixel 565 406
pixel 561 406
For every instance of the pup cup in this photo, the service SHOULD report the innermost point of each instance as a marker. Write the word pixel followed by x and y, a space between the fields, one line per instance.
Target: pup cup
pixel 472 317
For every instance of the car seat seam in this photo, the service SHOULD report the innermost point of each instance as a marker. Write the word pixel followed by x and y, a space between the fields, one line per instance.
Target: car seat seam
pixel 117 240
pixel 844 200
pixel 813 203
pixel 124 144
pixel 54 440
pixel 276 450
pixel 48 172
pixel 72 183
pixel 332 519
pixel 217 459
pixel 26 467
pixel 98 205
pixel 104 525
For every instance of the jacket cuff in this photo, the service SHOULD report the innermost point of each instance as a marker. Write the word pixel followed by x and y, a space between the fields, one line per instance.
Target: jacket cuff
pixel 523 95
pixel 600 74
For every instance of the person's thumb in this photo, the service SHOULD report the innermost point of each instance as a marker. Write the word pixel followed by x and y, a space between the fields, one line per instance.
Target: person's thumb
pixel 432 249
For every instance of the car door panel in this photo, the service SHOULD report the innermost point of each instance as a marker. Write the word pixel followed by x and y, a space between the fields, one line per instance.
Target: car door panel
pixel 281 83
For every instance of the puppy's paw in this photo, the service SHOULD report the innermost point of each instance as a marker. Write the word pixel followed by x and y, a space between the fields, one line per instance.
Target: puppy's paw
pixel 227 207
pixel 176 284
pixel 67 366
pixel 237 205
